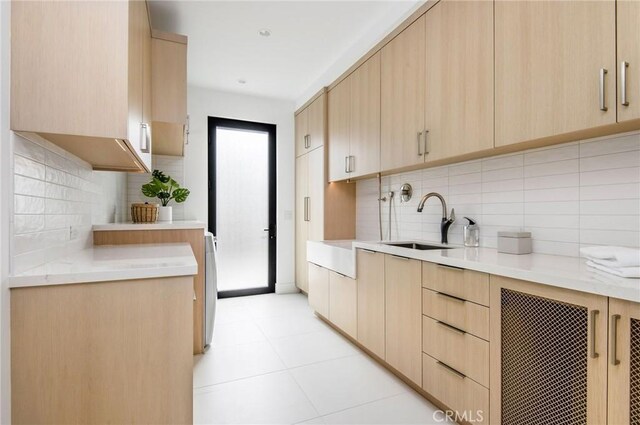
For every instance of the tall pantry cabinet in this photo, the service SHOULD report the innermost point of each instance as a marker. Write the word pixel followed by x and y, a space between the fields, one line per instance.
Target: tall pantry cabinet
pixel 322 211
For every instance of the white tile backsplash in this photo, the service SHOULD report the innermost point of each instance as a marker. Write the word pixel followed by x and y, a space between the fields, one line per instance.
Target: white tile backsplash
pixel 54 192
pixel 572 195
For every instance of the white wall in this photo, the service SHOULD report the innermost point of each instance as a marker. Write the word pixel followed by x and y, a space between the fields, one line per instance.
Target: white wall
pixel 203 103
pixel 568 196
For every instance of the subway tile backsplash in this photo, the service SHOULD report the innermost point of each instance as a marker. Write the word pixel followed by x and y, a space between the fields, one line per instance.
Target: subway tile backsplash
pixel 568 196
pixel 57 197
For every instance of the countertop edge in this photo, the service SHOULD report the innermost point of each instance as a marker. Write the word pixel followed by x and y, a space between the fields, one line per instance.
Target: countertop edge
pixel 174 225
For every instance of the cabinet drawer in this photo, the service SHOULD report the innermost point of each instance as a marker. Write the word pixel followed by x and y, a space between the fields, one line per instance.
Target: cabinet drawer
pixel 462 351
pixel 461 283
pixel 319 289
pixel 464 315
pixel 467 398
pixel 343 301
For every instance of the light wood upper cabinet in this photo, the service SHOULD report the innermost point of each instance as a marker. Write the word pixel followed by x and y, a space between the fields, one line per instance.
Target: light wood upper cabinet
pixel 549 57
pixel 339 130
pixel 459 78
pixel 78 76
pixel 403 319
pixel 364 118
pixel 624 361
pixel 371 295
pixel 628 15
pixel 310 126
pixel 169 92
pixel 301 131
pixel 402 110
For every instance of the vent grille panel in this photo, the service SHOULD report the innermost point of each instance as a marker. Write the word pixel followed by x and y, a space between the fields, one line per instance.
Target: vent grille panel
pixel 544 361
pixel 634 366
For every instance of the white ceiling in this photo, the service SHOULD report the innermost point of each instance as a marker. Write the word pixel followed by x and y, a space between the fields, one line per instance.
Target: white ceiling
pixel 311 42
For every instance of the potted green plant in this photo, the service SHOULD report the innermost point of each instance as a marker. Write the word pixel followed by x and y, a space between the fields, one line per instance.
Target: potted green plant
pixel 165 189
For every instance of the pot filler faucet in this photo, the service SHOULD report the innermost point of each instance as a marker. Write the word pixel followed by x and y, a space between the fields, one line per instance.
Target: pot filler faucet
pixel 446 222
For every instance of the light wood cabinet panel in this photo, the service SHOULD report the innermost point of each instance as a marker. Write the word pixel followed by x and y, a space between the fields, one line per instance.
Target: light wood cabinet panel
pixel 459 78
pixel 317 183
pixel 316 122
pixel 364 113
pixel 169 92
pixel 343 303
pixel 628 16
pixel 402 110
pixel 467 316
pixel 302 228
pixel 624 362
pixel 455 282
pixel 96 111
pixel 548 60
pixel 301 131
pixel 543 334
pixel 105 352
pixel 339 131
pixel 466 397
pixel 371 306
pixel 403 319
pixel 319 289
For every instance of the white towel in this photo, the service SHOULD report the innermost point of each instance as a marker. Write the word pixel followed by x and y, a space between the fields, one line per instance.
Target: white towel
pixel 632 272
pixel 612 256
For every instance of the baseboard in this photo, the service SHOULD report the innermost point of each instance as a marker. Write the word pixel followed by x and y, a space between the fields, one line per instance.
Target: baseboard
pixel 286 288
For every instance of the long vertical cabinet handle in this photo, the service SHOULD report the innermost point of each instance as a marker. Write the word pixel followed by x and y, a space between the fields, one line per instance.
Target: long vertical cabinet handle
pixel 426 142
pixel 420 143
pixel 306 208
pixel 352 161
pixel 145 137
pixel 347 164
pixel 623 83
pixel 614 339
pixel 592 338
pixel 603 100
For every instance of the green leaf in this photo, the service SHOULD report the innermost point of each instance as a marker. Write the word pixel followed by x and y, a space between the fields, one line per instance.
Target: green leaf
pixel 157 174
pixel 180 195
pixel 151 189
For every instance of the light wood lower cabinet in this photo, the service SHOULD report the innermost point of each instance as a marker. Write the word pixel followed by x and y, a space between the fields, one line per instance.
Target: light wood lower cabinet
pixel 371 306
pixel 319 289
pixel 462 314
pixel 456 282
pixel 104 352
pixel 548 352
pixel 624 363
pixel 343 302
pixel 403 319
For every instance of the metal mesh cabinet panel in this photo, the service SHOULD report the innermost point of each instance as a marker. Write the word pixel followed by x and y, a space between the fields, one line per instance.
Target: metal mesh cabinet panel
pixel 544 361
pixel 634 370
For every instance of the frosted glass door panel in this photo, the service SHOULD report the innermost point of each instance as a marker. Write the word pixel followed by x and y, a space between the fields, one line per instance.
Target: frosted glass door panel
pixel 242 208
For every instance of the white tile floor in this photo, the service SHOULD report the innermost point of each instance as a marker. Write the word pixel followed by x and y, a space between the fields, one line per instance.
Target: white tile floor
pixel 274 361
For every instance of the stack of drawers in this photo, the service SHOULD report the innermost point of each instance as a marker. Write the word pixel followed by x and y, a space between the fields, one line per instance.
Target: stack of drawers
pixel 455 339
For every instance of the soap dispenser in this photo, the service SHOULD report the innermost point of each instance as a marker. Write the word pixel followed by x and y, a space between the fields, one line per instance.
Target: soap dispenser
pixel 471 233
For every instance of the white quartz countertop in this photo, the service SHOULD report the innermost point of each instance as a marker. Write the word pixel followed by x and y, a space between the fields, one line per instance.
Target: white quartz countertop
pixel 552 270
pixel 112 262
pixel 158 225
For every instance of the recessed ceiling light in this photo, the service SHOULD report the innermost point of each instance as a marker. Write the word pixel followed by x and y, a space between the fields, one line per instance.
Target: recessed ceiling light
pixel 264 32
pixel 242 81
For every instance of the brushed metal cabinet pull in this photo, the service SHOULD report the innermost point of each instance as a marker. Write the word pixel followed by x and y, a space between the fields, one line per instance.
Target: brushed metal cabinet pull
pixel 399 257
pixel 451 297
pixel 145 136
pixel 352 161
pixel 450 369
pixel 444 266
pixel 594 315
pixel 603 100
pixel 623 83
pixel 420 143
pixel 306 208
pixel 614 339
pixel 426 142
pixel 368 251
pixel 346 164
pixel 451 328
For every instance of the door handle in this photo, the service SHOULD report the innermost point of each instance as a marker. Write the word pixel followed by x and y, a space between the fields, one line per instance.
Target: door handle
pixel 623 83
pixel 145 138
pixel 614 339
pixel 594 353
pixel 603 100
pixel 426 142
pixel 346 164
pixel 306 208
pixel 420 143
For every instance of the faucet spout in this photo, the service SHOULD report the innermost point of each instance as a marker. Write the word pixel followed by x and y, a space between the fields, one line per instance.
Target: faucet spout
pixel 437 195
pixel 446 221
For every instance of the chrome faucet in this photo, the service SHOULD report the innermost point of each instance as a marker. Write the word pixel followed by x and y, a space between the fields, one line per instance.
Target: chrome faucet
pixel 446 221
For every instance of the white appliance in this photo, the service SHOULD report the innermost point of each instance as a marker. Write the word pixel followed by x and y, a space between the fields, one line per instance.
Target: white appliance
pixel 210 286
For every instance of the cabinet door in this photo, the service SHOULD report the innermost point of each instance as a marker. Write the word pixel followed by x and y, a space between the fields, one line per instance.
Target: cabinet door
pixel 316 122
pixel 302 227
pixel 169 86
pixel 403 321
pixel 364 129
pixel 459 82
pixel 628 15
pixel 319 289
pixel 624 363
pixel 301 131
pixel 339 108
pixel 548 352
pixel 549 56
pixel 316 186
pixel 371 300
pixel 403 98
pixel 343 303
pixel 146 86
